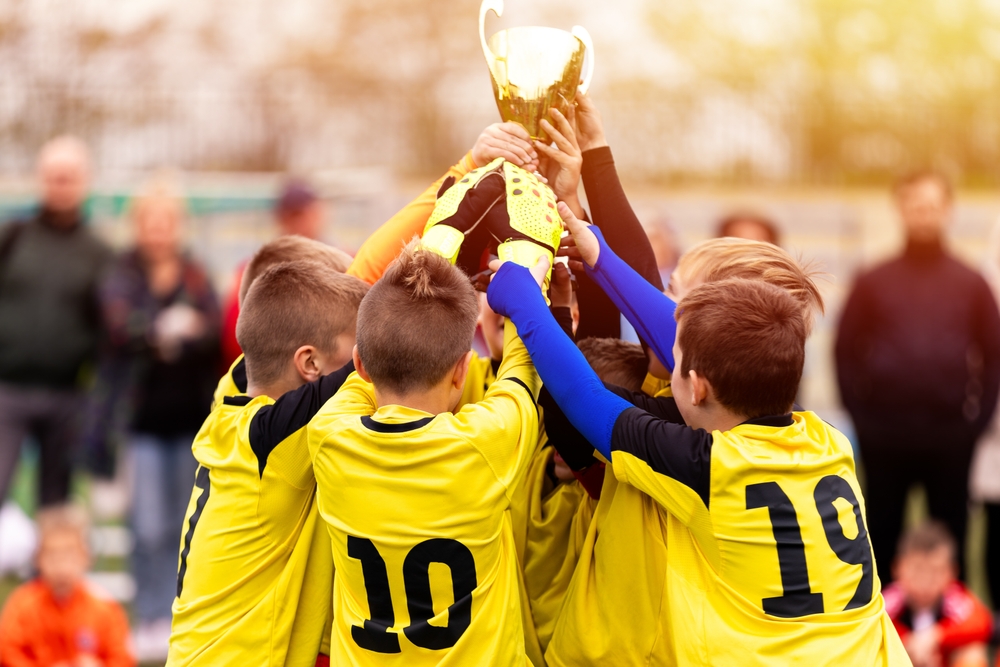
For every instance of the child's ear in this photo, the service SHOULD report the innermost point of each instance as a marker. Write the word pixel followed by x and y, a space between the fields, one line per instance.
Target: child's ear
pixel 360 367
pixel 700 388
pixel 461 370
pixel 307 363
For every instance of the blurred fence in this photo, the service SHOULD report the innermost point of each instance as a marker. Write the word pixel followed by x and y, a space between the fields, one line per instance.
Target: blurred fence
pixel 658 136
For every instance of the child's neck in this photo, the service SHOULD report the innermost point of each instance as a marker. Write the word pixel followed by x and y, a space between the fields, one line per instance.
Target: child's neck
pixel 717 418
pixel 431 402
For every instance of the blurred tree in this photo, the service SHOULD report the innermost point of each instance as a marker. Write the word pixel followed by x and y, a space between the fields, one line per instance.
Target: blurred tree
pixel 870 86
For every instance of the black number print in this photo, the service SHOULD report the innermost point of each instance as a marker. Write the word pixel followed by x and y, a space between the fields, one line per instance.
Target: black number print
pixel 855 552
pixel 375 635
pixel 797 598
pixel 202 482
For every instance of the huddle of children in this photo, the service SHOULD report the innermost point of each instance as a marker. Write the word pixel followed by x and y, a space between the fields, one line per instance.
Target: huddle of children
pixel 370 492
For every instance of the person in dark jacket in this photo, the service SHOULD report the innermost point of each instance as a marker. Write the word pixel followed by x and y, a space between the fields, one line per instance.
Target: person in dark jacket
pixel 50 265
pixel 918 364
pixel 162 319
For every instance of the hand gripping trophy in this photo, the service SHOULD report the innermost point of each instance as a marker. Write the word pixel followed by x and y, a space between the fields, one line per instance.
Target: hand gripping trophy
pixel 534 68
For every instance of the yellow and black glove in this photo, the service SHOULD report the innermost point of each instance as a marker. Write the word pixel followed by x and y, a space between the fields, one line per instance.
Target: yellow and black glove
pixel 529 226
pixel 461 207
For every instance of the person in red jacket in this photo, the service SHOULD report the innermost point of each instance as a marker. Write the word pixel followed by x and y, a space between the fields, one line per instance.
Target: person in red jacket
pixel 55 620
pixel 941 623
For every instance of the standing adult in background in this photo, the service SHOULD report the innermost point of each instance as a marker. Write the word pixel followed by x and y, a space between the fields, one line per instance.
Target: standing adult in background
pixel 298 210
pixel 50 265
pixel 985 477
pixel 918 364
pixel 162 320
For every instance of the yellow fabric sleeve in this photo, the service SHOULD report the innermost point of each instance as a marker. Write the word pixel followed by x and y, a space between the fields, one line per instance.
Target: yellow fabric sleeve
pixel 384 244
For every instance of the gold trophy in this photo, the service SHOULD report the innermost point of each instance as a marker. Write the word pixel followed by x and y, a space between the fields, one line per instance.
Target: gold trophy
pixel 535 69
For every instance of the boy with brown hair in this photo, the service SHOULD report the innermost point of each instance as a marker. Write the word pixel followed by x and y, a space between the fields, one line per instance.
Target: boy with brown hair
pixel 280 250
pixel 410 487
pixel 253 582
pixel 747 581
pixel 941 622
pixel 55 619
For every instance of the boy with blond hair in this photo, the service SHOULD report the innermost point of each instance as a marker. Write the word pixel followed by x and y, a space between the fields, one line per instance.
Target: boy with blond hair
pixel 243 594
pixel 415 496
pixel 769 556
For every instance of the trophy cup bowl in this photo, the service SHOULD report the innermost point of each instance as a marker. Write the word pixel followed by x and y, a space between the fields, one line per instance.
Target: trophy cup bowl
pixel 534 69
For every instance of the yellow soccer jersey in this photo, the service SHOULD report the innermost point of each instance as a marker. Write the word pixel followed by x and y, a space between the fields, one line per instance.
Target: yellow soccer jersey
pixel 557 517
pixel 422 542
pixel 482 373
pixel 233 383
pixel 254 567
pixel 773 565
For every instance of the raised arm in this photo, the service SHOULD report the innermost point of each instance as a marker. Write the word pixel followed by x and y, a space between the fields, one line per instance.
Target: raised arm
pixel 506 140
pixel 671 462
pixel 649 310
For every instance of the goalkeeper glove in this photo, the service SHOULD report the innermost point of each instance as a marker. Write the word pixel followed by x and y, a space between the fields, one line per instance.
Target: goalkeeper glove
pixel 528 227
pixel 461 207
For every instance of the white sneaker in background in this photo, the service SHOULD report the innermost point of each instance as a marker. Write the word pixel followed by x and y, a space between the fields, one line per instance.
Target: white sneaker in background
pixel 152 640
pixel 18 541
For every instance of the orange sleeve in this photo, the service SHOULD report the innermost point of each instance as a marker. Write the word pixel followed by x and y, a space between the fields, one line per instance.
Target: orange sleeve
pixel 16 637
pixel 115 640
pixel 384 244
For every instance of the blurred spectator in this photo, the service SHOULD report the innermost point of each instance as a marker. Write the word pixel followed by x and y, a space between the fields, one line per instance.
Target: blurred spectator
pixel 749 225
pixel 985 478
pixel 298 210
pixel 56 620
pixel 918 364
pixel 941 623
pixel 50 265
pixel 163 325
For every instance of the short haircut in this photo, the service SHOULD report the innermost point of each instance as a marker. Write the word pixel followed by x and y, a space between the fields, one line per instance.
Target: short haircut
pixel 290 305
pixel 292 249
pixel 416 322
pixel 747 338
pixel 728 224
pixel 912 178
pixel 65 518
pixel 927 537
pixel 616 361
pixel 727 258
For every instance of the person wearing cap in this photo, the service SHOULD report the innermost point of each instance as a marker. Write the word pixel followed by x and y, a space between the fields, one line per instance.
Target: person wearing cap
pixel 298 210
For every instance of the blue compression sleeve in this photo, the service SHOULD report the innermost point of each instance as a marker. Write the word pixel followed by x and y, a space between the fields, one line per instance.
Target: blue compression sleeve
pixel 646 308
pixel 590 407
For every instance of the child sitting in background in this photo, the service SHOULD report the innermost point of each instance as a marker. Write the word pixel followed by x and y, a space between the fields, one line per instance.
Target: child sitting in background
pixel 55 619
pixel 941 623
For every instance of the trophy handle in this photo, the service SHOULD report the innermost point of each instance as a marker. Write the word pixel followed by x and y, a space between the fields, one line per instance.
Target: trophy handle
pixel 497 7
pixel 580 33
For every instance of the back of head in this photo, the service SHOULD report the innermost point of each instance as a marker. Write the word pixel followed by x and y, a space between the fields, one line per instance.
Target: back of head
pixel 616 361
pixel 728 258
pixel 747 338
pixel 290 305
pixel 416 322
pixel 292 249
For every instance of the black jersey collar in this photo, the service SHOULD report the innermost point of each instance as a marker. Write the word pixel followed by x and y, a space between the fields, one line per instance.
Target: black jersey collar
pixel 382 427
pixel 775 421
pixel 242 399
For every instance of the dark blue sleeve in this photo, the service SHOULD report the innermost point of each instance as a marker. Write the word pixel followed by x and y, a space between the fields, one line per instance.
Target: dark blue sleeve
pixel 646 308
pixel 590 407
